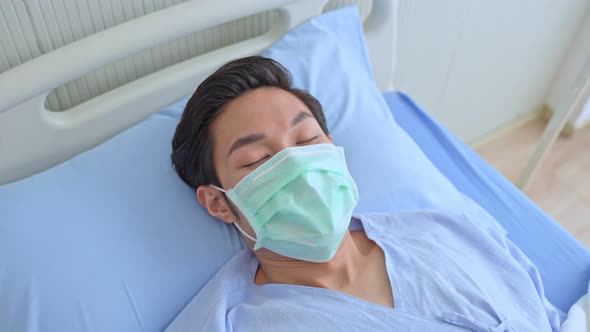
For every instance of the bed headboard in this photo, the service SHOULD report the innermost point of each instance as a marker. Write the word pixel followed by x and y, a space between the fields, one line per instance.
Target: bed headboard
pixel 37 131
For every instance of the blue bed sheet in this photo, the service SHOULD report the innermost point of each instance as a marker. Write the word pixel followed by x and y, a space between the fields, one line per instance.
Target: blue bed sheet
pixel 563 262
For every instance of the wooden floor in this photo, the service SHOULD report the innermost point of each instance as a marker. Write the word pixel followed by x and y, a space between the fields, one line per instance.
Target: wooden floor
pixel 562 186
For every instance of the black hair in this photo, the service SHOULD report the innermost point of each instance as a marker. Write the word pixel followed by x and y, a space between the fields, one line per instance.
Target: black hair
pixel 192 144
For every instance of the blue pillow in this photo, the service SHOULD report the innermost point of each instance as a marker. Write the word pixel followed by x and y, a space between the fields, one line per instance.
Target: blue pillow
pixel 112 240
pixel 327 56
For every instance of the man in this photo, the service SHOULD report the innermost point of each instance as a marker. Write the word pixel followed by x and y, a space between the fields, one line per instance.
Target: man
pixel 259 156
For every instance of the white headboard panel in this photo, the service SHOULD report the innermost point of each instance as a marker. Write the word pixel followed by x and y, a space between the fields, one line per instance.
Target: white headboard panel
pixel 33 138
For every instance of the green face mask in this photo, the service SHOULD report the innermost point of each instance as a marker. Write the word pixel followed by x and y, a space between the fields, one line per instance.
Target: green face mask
pixel 299 202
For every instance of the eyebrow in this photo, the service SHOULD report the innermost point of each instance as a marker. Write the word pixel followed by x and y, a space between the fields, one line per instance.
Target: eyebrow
pixel 245 140
pixel 299 118
pixel 253 138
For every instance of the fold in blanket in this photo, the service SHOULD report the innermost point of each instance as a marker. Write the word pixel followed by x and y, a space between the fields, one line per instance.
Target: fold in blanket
pixel 578 317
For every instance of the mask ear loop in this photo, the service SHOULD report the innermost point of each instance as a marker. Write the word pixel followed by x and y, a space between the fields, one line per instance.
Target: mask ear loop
pixel 235 223
pixel 220 189
pixel 245 234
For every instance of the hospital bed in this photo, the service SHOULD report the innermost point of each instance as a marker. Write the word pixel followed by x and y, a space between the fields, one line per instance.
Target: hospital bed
pixel 96 230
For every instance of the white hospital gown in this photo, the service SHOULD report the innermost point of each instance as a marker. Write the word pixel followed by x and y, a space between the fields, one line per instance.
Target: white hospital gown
pixel 448 272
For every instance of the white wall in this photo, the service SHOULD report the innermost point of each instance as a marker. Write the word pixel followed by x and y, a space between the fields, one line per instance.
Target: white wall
pixel 478 65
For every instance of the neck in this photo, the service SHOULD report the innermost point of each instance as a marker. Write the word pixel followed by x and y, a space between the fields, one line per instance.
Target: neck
pixel 342 270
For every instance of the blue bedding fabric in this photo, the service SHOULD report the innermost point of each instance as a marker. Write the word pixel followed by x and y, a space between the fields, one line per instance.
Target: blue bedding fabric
pixel 439 267
pixel 564 264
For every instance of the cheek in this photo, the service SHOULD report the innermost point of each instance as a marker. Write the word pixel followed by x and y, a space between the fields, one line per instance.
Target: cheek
pixel 220 168
pixel 224 176
pixel 236 177
pixel 325 139
pixel 235 173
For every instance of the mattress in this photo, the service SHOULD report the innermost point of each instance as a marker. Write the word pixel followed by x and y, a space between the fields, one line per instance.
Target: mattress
pixel 563 262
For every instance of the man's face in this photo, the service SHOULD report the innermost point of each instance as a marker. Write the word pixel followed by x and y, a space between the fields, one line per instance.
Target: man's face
pixel 251 129
pixel 255 126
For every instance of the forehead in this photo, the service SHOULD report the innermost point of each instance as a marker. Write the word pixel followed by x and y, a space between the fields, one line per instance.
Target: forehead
pixel 262 110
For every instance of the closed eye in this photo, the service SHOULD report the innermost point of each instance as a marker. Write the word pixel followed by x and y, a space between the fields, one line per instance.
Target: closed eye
pixel 308 140
pixel 254 163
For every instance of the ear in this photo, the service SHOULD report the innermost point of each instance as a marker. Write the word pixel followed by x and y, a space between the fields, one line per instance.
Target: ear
pixel 213 200
pixel 330 138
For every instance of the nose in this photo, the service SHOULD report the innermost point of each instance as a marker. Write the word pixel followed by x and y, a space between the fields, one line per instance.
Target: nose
pixel 280 143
